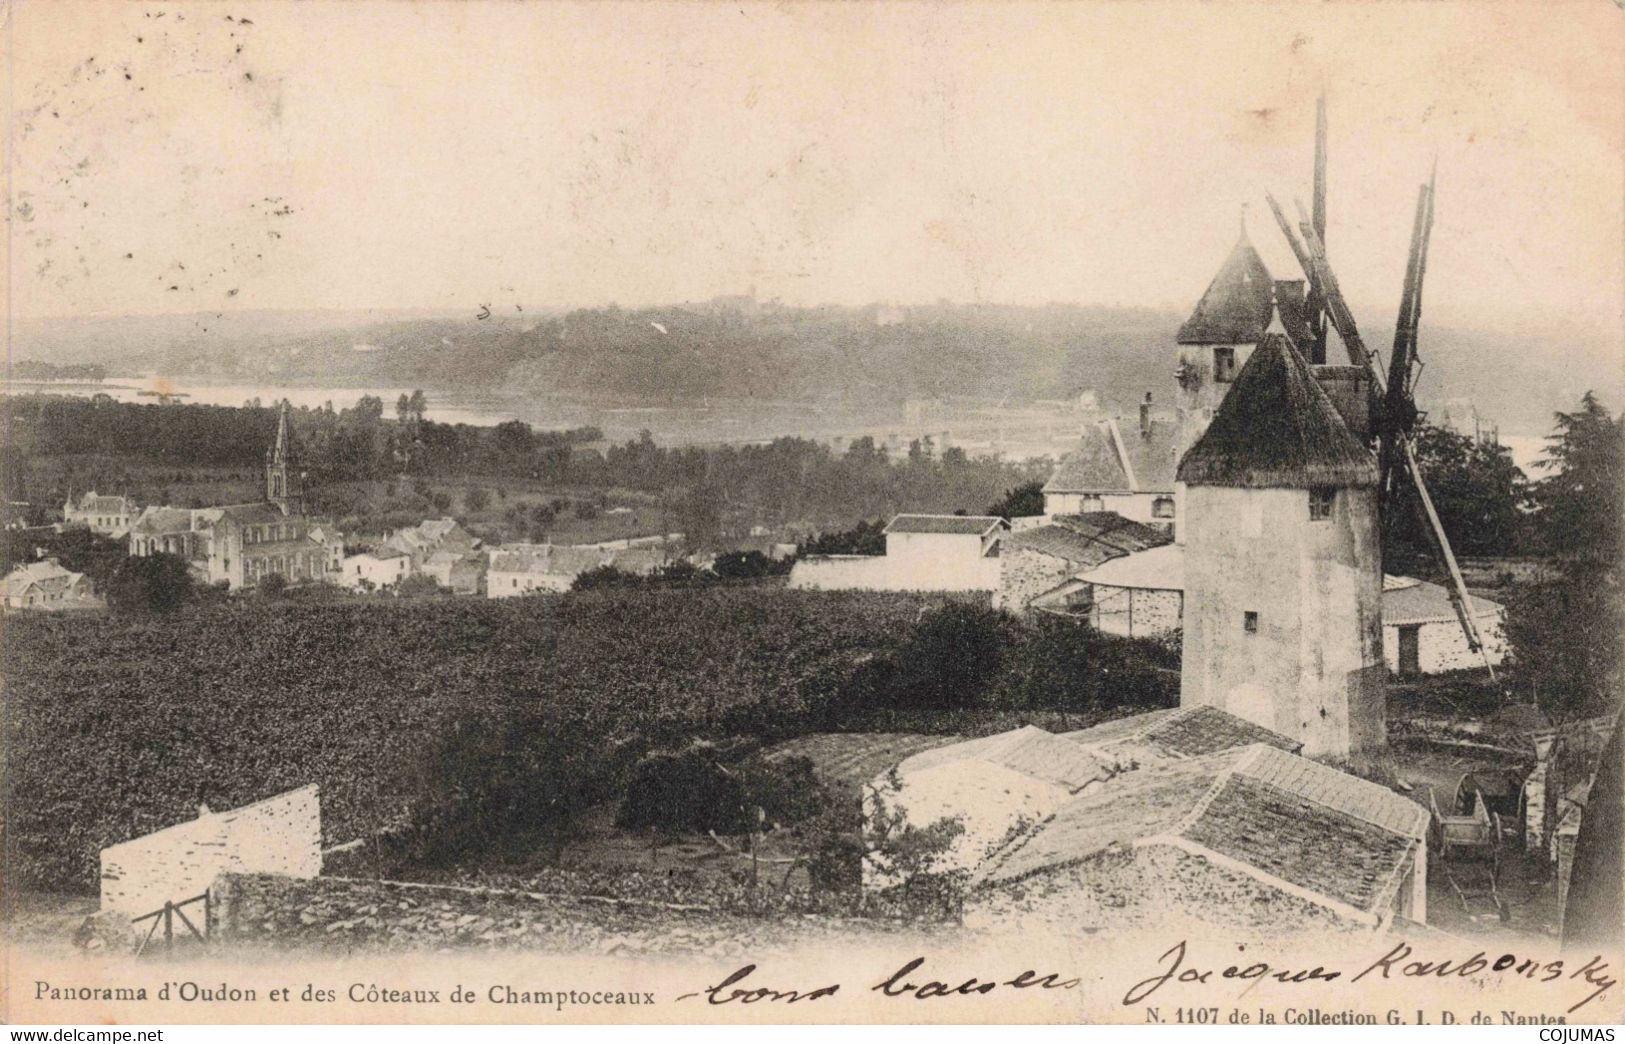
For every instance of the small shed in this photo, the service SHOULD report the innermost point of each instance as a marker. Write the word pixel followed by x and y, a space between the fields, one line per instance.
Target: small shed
pixel 1422 635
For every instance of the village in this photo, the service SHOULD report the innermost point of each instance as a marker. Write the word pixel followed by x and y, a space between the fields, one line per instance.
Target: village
pixel 1313 771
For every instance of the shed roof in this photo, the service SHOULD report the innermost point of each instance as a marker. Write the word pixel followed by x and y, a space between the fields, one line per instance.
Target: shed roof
pixel 969 525
pixel 1235 308
pixel 1277 428
pixel 1028 750
pixel 1155 568
pixel 1421 602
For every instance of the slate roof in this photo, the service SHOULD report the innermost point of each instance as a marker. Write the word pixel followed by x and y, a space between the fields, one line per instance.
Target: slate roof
pixel 1419 602
pixel 1028 750
pixel 1087 539
pixel 1268 813
pixel 1235 308
pixel 970 525
pixel 1277 428
pixel 252 514
pixel 100 504
pixel 548 559
pixel 155 519
pixel 1114 458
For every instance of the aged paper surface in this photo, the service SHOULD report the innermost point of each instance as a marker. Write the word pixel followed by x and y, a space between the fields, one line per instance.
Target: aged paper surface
pixel 678 512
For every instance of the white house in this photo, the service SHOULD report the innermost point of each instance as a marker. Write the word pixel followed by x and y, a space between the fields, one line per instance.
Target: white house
pixel 375 570
pixel 109 516
pixel 1126 469
pixel 923 553
pixel 1421 634
pixel 47 585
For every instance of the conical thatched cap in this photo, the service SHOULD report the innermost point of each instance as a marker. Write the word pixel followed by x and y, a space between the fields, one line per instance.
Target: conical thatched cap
pixel 1277 429
pixel 1236 307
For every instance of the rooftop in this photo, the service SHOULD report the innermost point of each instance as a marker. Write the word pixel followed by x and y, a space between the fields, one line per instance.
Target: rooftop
pixel 1279 818
pixel 1087 539
pixel 1156 568
pixel 1028 750
pixel 1235 308
pixel 1277 428
pixel 969 525
pixel 1118 458
pixel 1410 601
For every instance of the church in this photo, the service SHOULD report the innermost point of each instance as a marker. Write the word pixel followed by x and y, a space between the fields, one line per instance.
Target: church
pixel 242 544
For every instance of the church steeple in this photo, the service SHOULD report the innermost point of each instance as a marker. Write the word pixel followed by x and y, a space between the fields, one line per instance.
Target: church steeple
pixel 282 482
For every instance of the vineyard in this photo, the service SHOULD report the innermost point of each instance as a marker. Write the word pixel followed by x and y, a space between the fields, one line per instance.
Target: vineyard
pixel 116 726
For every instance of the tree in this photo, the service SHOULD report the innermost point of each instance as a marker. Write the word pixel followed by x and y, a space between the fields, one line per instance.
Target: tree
pixel 1480 494
pixel 1024 501
pixel 1567 633
pixel 951 655
pixel 159 583
pixel 273 585
pixel 476 500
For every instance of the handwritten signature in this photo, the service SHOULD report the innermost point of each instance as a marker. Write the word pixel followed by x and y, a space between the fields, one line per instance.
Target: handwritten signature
pixel 1396 963
pixel 899 984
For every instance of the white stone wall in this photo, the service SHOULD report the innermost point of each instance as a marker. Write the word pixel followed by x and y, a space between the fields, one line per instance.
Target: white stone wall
pixel 887 573
pixel 513 585
pixel 281 835
pixel 1441 645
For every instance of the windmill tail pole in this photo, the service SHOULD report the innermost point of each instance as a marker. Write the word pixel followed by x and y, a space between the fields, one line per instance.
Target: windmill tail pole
pixel 1459 598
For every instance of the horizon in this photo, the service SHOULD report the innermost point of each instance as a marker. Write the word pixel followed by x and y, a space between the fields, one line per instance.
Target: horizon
pixel 350 159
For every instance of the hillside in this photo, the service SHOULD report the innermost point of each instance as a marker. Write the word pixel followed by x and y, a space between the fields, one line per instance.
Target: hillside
pixel 748 351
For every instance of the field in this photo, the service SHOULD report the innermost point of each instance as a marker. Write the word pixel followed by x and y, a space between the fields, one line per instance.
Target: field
pixel 115 727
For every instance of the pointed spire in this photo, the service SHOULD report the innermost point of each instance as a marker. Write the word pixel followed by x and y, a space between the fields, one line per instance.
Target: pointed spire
pixel 282 451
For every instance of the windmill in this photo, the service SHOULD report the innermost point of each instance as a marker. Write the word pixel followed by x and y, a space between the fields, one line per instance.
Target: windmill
pixel 1395 416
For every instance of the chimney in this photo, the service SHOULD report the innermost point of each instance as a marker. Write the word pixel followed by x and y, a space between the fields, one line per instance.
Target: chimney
pixel 1145 417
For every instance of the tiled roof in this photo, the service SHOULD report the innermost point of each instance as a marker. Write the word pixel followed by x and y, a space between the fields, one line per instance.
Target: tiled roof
pixel 1277 429
pixel 1195 731
pixel 548 559
pixel 1134 806
pixel 1097 464
pixel 1155 569
pixel 1087 539
pixel 1351 795
pixel 1028 750
pixel 1301 841
pixel 1176 733
pixel 1422 602
pixel 1236 306
pixel 1271 814
pixel 972 525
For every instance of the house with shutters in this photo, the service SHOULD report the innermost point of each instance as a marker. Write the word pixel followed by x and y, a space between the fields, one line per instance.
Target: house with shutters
pixel 1128 470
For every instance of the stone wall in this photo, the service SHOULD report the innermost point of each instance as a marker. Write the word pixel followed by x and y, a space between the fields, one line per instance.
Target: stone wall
pixel 281 835
pixel 1441 645
pixel 345 914
pixel 912 572
pixel 1137 612
pixel 1024 574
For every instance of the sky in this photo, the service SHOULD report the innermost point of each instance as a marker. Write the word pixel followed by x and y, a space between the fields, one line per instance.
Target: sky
pixel 212 156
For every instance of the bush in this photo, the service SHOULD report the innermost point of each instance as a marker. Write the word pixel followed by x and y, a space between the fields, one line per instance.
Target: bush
pixel 709 787
pixel 951 655
pixel 746 565
pixel 158 583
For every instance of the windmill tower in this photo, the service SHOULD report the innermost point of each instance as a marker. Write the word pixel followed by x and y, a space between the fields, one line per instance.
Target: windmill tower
pixel 283 485
pixel 1283 560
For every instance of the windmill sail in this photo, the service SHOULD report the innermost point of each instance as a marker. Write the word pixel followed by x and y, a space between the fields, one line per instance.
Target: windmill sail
pixel 1395 427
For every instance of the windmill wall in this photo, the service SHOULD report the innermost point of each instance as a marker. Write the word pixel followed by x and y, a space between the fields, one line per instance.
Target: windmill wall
pixel 1313 668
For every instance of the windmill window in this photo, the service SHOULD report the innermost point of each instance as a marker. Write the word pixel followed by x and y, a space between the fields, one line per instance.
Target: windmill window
pixel 1162 507
pixel 1249 622
pixel 1320 503
pixel 1224 365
